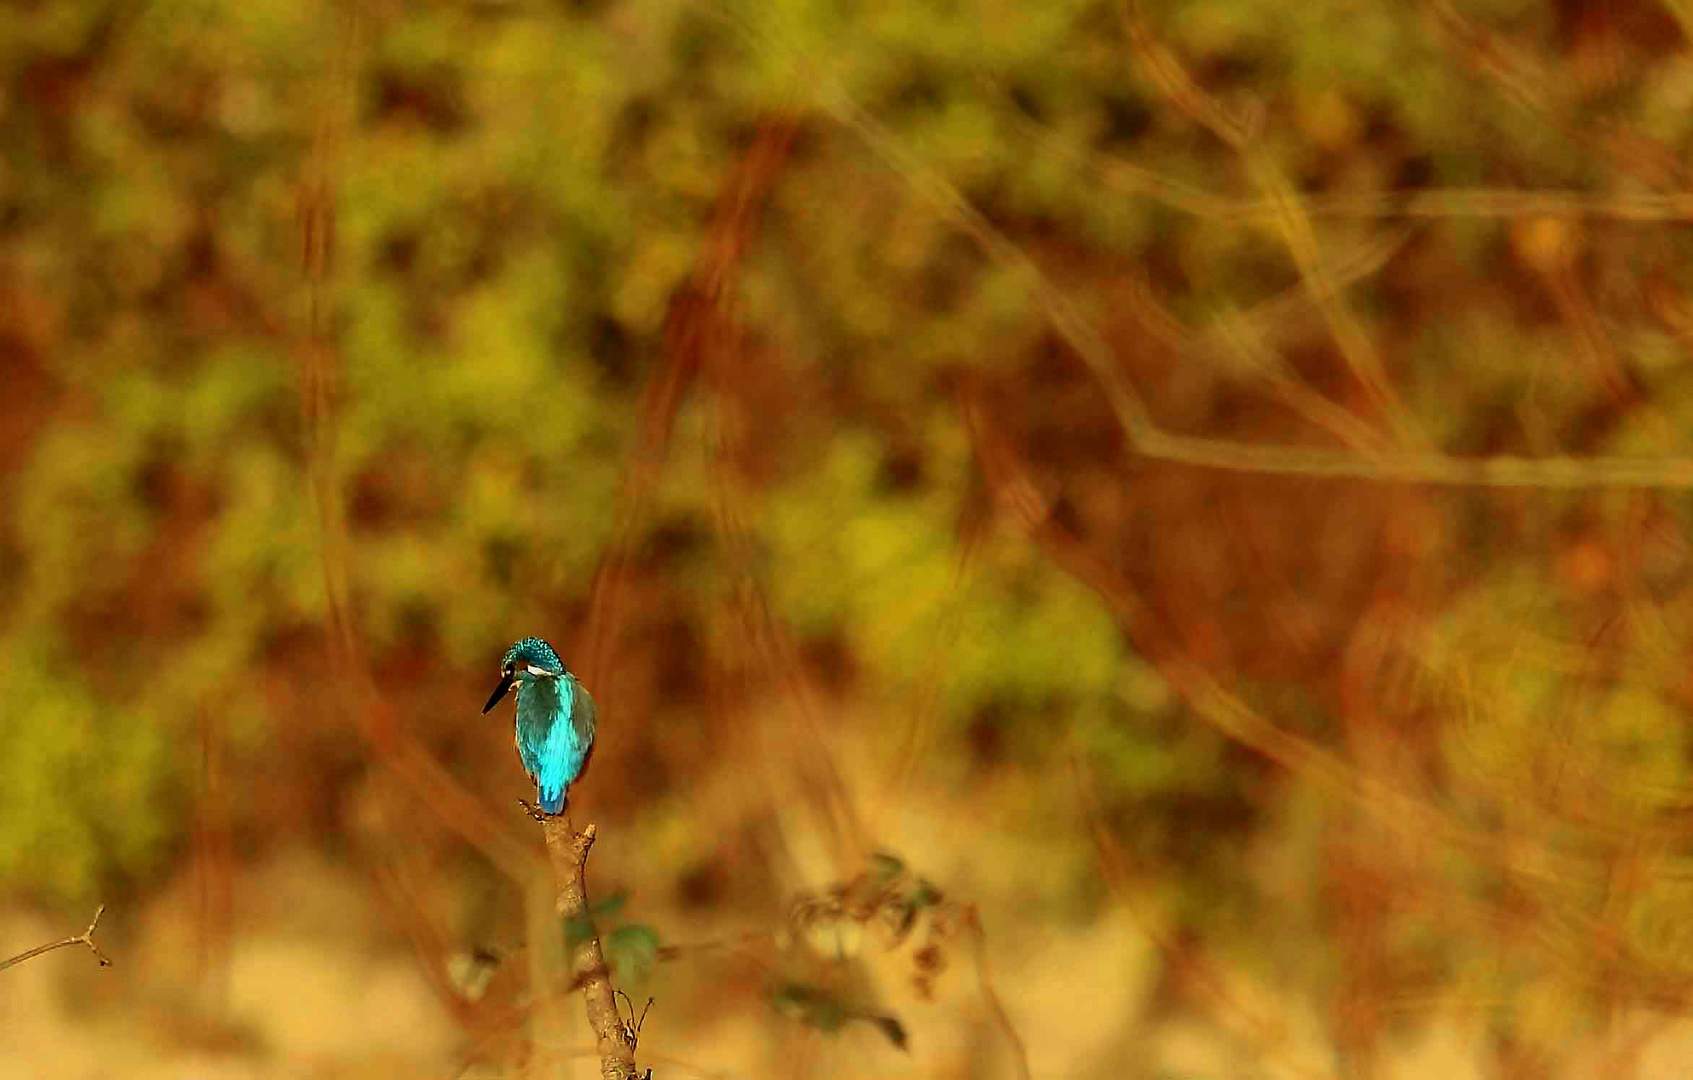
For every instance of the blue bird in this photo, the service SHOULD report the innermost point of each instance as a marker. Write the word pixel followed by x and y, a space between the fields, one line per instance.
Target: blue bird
pixel 555 720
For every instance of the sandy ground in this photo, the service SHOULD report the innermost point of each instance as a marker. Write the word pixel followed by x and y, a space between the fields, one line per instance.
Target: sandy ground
pixel 315 985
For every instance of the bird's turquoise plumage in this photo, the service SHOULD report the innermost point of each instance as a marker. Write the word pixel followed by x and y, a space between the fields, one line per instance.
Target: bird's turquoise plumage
pixel 555 719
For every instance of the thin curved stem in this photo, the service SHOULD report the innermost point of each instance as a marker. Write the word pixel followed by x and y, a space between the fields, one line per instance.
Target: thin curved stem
pixel 84 938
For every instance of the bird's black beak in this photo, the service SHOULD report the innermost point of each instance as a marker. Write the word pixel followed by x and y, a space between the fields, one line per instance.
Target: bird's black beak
pixel 499 691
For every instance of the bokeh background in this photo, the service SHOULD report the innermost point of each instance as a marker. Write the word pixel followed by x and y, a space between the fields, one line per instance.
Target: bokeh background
pixel 1109 541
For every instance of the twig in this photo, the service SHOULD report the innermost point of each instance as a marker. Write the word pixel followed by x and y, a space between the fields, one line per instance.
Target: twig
pixel 568 850
pixel 1149 439
pixel 1291 217
pixel 84 938
pixel 996 1006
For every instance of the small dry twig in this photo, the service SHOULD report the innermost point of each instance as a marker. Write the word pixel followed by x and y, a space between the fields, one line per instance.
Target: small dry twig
pixel 990 996
pixel 84 938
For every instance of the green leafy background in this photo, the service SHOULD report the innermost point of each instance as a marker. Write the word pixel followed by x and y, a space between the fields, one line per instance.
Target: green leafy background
pixel 335 341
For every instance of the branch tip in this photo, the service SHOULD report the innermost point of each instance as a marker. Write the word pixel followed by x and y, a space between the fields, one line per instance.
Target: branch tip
pixel 87 937
pixel 84 938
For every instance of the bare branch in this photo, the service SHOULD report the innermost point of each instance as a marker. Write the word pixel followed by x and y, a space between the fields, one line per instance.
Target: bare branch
pixel 84 938
pixel 996 1006
pixel 568 850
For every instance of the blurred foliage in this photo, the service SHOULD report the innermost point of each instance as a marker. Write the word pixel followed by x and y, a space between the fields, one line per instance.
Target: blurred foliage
pixel 478 227
pixel 824 1011
pixel 631 949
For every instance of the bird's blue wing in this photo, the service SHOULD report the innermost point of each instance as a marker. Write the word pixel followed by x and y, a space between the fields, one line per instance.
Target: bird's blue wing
pixel 565 748
pixel 584 717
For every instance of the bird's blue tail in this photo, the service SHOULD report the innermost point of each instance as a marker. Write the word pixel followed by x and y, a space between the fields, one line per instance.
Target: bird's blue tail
pixel 551 802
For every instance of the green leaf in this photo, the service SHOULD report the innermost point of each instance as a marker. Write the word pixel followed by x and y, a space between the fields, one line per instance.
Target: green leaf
pixel 610 906
pixel 580 928
pixel 632 951
pixel 892 1028
pixel 821 1009
pixel 809 1005
pixel 886 867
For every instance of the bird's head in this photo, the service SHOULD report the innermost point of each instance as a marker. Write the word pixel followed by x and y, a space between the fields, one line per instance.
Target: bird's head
pixel 526 661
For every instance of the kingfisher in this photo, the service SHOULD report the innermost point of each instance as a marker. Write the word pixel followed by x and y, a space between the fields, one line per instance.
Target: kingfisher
pixel 555 721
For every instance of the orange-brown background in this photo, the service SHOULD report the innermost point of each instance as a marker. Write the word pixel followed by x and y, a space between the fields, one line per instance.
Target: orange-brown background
pixel 1134 541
